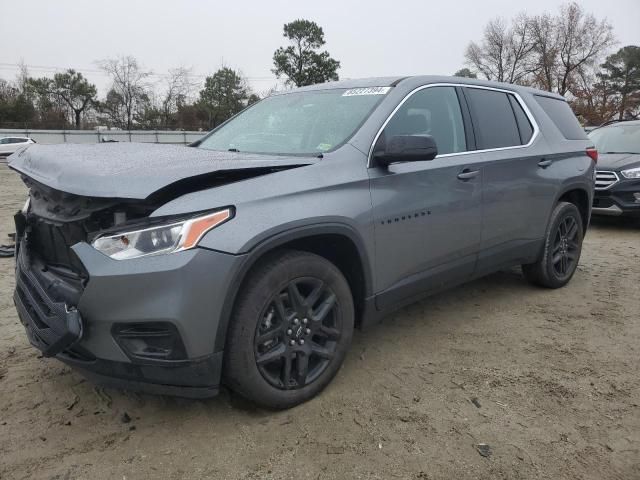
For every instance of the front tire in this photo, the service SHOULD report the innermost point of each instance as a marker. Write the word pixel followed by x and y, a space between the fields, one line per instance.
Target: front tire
pixel 290 330
pixel 561 251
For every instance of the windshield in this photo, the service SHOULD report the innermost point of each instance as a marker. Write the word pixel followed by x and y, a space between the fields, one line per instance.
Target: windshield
pixel 617 139
pixel 297 123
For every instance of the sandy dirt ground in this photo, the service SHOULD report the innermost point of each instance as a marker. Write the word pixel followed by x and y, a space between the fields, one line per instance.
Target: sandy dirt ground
pixel 549 380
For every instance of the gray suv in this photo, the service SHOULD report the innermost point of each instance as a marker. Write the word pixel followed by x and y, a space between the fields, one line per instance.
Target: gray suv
pixel 248 259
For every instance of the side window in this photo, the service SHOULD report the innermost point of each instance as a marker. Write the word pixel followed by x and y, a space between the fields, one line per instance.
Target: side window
pixel 493 118
pixel 4 141
pixel 524 125
pixel 432 111
pixel 562 116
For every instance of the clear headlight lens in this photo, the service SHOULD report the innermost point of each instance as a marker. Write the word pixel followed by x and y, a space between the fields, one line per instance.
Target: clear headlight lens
pixel 160 239
pixel 631 173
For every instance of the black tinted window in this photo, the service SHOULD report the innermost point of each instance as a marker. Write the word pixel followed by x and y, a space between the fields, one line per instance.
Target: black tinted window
pixel 493 118
pixel 432 111
pixel 524 125
pixel 560 113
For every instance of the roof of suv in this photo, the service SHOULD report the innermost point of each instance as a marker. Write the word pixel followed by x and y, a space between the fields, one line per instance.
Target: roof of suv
pixel 620 122
pixel 420 80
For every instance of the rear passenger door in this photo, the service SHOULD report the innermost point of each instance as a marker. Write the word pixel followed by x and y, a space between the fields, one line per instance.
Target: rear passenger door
pixel 427 213
pixel 518 191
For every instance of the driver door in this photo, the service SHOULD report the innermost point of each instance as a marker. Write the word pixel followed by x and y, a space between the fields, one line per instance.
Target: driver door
pixel 427 213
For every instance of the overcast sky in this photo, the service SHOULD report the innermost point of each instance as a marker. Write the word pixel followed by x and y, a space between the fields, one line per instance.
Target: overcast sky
pixel 370 38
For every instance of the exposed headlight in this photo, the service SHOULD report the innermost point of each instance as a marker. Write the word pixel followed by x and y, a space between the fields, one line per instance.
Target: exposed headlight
pixel 631 173
pixel 160 239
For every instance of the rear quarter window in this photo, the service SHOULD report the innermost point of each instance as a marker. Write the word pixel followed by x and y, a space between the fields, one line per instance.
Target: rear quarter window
pixel 524 125
pixel 493 118
pixel 562 116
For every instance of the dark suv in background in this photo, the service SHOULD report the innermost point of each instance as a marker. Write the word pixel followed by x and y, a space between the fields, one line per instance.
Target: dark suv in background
pixel 250 258
pixel 618 175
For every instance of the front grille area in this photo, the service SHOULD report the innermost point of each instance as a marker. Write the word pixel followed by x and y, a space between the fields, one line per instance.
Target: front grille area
pixel 52 326
pixel 606 179
pixel 52 243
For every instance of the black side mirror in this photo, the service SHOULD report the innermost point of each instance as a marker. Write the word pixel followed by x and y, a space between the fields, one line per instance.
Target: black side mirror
pixel 405 148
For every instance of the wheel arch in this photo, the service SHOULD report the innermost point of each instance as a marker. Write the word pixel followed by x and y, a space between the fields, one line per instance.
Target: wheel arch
pixel 338 243
pixel 579 196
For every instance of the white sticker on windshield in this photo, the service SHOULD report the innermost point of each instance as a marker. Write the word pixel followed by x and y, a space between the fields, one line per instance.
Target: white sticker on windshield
pixel 352 92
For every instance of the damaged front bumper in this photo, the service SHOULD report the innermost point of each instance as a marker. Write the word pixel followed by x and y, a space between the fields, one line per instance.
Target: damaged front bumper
pixel 147 324
pixel 51 325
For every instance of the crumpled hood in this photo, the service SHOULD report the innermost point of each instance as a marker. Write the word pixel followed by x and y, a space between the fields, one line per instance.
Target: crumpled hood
pixel 618 161
pixel 132 170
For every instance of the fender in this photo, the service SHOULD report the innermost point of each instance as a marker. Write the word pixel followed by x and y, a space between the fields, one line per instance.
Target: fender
pixel 266 245
pixel 576 184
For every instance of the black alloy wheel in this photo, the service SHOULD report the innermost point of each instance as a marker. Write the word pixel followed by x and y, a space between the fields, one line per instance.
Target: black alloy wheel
pixel 566 247
pixel 290 329
pixel 561 250
pixel 297 337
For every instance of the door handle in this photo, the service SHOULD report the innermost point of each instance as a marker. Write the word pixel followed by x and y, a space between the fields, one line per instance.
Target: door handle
pixel 544 163
pixel 467 174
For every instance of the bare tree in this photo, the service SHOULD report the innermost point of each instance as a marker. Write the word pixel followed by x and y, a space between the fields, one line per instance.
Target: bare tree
pixel 595 100
pixel 521 48
pixel 582 40
pixel 22 79
pixel 547 51
pixel 489 56
pixel 128 95
pixel 178 86
pixel 505 52
pixel 546 47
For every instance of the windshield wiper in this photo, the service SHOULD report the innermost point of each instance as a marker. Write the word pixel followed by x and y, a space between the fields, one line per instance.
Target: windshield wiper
pixel 622 153
pixel 233 150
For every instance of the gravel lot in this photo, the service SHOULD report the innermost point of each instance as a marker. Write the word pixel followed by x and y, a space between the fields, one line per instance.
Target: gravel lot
pixel 548 379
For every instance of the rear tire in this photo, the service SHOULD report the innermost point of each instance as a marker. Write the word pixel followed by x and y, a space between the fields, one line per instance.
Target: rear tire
pixel 561 251
pixel 290 330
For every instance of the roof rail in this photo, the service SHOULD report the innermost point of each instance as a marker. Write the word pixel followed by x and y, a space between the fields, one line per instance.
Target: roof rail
pixel 611 122
pixel 617 121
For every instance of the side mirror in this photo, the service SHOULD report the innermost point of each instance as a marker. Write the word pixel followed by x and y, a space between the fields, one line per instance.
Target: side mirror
pixel 405 148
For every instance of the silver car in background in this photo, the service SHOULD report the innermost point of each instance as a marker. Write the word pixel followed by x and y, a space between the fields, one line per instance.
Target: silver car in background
pixel 9 145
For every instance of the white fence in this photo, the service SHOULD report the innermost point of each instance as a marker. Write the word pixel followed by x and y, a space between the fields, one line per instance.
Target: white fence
pixel 97 136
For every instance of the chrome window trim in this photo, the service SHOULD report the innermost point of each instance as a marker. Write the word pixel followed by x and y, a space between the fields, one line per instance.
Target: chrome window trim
pixel 521 102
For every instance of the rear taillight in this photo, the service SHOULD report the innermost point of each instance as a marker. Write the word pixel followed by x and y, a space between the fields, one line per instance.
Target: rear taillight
pixel 593 153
